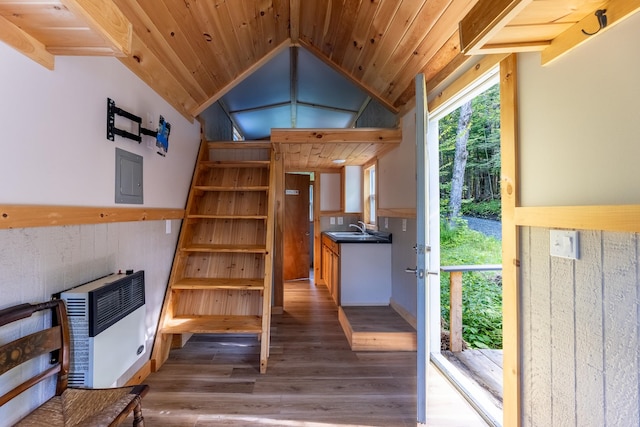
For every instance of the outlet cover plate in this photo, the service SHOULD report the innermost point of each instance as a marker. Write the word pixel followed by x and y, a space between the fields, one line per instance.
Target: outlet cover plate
pixel 564 244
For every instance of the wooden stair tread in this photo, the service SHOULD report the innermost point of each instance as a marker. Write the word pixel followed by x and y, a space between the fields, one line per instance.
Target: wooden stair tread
pixel 226 188
pixel 213 324
pixel 228 233
pixel 218 283
pixel 235 164
pixel 230 216
pixel 203 247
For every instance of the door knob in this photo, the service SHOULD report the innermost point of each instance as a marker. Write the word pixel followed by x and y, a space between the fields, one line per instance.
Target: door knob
pixel 418 272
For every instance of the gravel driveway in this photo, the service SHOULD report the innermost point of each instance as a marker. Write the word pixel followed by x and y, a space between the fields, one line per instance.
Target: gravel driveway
pixel 488 227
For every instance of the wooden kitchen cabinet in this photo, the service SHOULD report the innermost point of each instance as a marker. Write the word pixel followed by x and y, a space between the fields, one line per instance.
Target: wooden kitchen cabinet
pixel 331 267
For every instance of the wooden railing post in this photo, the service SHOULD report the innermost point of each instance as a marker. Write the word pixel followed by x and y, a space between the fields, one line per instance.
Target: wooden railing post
pixel 455 299
pixel 455 311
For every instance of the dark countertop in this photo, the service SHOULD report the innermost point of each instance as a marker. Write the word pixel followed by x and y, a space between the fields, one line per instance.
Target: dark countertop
pixel 357 237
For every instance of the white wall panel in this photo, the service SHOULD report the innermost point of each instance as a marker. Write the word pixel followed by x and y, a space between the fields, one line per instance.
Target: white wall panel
pixel 53 145
pixel 579 140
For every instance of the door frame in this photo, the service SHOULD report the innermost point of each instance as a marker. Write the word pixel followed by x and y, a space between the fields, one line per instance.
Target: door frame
pixel 510 242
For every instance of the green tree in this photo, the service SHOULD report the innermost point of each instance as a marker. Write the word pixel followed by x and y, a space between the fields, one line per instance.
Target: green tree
pixel 481 185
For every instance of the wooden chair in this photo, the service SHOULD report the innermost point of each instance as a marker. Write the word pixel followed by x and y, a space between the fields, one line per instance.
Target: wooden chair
pixel 69 406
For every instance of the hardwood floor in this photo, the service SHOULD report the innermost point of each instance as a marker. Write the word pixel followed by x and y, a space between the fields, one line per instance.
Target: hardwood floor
pixel 313 378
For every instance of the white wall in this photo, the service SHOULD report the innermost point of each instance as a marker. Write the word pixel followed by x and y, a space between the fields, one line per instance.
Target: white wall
pixel 579 318
pixel 54 151
pixel 53 145
pixel 397 169
pixel 38 262
pixel 397 189
pixel 579 139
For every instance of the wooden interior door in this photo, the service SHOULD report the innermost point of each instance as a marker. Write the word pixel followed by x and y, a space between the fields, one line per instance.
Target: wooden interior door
pixel 296 227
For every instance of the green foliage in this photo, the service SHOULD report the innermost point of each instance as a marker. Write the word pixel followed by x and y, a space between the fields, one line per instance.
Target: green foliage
pixel 482 172
pixel 481 291
pixel 490 209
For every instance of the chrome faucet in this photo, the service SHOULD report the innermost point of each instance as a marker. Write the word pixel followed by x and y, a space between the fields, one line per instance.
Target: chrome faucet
pixel 362 229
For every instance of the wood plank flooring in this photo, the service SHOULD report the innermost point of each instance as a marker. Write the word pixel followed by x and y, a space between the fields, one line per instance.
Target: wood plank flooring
pixel 377 328
pixel 313 378
pixel 484 367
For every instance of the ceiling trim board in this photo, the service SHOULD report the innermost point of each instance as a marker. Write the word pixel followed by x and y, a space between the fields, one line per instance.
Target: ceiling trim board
pixel 617 11
pixel 107 20
pixel 484 20
pixel 294 20
pixel 25 43
pixel 484 66
pixel 358 135
pixel 151 69
pixel 293 65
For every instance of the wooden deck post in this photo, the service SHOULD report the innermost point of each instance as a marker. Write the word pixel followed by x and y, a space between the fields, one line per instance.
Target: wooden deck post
pixel 455 299
pixel 455 311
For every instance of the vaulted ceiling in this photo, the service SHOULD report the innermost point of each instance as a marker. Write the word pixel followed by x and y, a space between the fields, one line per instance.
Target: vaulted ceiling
pixel 195 52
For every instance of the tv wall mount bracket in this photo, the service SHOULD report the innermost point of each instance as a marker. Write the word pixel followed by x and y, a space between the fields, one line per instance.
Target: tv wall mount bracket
pixel 112 130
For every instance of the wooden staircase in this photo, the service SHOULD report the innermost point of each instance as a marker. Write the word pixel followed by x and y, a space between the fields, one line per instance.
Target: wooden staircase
pixel 221 280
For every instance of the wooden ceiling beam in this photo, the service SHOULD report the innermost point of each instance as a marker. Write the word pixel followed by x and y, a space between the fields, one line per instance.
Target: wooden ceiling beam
pixel 617 11
pixel 107 20
pixel 294 20
pixel 25 43
pixel 152 70
pixel 346 136
pixel 484 20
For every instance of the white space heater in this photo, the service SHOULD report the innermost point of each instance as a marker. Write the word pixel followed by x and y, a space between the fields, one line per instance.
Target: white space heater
pixel 107 327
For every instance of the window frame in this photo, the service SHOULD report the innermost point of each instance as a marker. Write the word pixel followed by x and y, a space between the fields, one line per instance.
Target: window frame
pixel 370 218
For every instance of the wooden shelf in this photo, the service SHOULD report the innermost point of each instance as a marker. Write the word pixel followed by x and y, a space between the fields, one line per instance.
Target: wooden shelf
pixel 214 283
pixel 201 247
pixel 214 325
pixel 241 164
pixel 205 216
pixel 220 188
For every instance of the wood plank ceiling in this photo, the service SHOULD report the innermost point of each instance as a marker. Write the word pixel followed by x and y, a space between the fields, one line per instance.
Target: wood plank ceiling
pixel 192 52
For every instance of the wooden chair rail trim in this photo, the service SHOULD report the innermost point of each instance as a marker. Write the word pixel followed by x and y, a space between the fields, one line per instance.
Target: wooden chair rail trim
pixel 603 218
pixel 409 213
pixel 27 216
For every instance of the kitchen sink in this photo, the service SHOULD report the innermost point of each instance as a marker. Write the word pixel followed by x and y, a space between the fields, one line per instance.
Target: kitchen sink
pixel 347 234
pixel 354 236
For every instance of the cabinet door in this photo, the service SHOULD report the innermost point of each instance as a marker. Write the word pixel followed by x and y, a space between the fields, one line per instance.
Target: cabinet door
pixel 326 258
pixel 335 277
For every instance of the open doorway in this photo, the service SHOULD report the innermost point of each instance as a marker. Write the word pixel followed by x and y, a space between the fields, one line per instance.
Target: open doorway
pixel 298 227
pixel 466 309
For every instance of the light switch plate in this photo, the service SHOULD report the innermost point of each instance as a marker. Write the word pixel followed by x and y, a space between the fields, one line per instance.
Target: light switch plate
pixel 332 220
pixel 564 244
pixel 404 224
pixel 340 220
